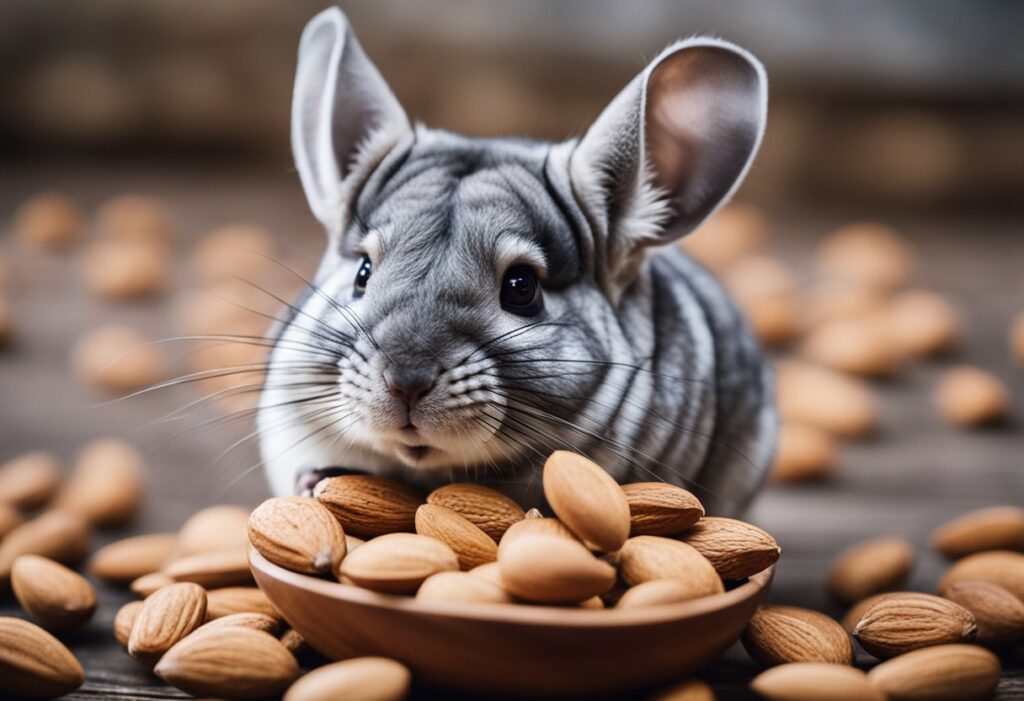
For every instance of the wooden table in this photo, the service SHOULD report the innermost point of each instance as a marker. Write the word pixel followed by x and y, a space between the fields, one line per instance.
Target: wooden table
pixel 913 475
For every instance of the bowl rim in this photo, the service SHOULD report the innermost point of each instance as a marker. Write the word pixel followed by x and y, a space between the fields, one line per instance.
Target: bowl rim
pixel 529 614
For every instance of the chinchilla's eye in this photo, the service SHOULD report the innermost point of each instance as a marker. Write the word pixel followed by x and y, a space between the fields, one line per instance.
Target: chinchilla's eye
pixel 362 276
pixel 520 291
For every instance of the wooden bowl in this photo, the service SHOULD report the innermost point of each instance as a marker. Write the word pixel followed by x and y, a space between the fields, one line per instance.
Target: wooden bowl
pixel 511 649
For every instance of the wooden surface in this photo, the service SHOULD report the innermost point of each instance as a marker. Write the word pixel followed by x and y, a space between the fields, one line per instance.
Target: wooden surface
pixel 911 476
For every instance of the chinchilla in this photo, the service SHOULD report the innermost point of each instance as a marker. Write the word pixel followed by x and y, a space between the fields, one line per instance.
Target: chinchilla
pixel 484 302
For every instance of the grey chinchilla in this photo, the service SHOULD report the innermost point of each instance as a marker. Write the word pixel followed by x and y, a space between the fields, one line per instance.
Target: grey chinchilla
pixel 484 302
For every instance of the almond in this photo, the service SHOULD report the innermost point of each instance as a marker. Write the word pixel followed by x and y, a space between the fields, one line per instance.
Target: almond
pixel 166 616
pixel 805 453
pixel 817 396
pixel 870 567
pixel 397 563
pixel 238 663
pixel 472 546
pixel 58 535
pixel 857 345
pixel 34 664
pixel 549 526
pixel 594 603
pixel 149 583
pixel 489 510
pixel 130 558
pixel 899 623
pixel 690 690
pixel 657 508
pixel 994 528
pixel 970 396
pixel 29 480
pixel 229 600
pixel 298 534
pixel 920 323
pixel 10 518
pixel 256 621
pixel 294 642
pixel 544 568
pixel 56 597
pixel 856 612
pixel 1001 567
pixel 736 549
pixel 221 527
pixel 462 587
pixel 369 506
pixel 657 592
pixel 940 673
pixel 491 572
pixel 587 500
pixel 998 614
pixel 106 485
pixel 360 679
pixel 214 569
pixel 645 558
pixel 815 681
pixel 533 513
pixel 124 621
pixel 783 634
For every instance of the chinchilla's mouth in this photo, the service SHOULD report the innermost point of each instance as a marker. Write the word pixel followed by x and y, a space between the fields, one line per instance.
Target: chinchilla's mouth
pixel 308 477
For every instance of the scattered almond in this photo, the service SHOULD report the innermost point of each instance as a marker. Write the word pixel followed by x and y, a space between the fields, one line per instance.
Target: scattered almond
pixel 166 617
pixel 230 600
pixel 462 587
pixel 658 508
pixel 690 690
pixel 48 221
pixel 857 345
pixel 106 485
pixel 397 563
pixel 969 396
pixel 736 549
pixel 149 583
pixel 221 527
pixel 856 612
pixel 119 270
pixel 657 592
pixel 998 614
pixel 489 510
pixel 369 506
pixel 134 218
pixel 218 568
pixel 782 634
pixel 1017 338
pixel 34 664
pixel 56 597
pixel 1001 567
pixel 920 323
pixel 940 673
pixel 545 568
pixel 360 679
pixel 645 558
pixel 815 681
pixel 869 254
pixel 124 621
pixel 58 535
pixel 471 545
pixel 587 500
pixel 117 359
pixel 870 567
pixel 817 396
pixel 805 453
pixel 298 534
pixel 993 528
pixel 10 518
pixel 731 233
pixel 29 480
pixel 899 623
pixel 128 559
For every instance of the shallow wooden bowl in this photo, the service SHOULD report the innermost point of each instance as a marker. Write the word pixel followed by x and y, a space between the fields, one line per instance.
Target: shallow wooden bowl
pixel 512 650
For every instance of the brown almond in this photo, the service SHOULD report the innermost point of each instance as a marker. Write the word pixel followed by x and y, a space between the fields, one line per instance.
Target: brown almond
pixel 549 526
pixel 805 453
pixel 230 600
pixel 998 614
pixel 690 690
pixel 920 323
pixel 360 679
pixel 856 612
pixel 30 480
pixel 658 508
pixel 993 528
pixel 256 621
pixel 587 500
pixel 56 597
pixel 462 587
pixel 899 623
pixel 34 664
pixel 549 569
pixel 294 642
pixel 369 506
pixel 166 617
pixel 857 345
pixel 397 563
pixel 783 634
pixel 472 546
pixel 105 486
pixel 940 673
pixel 221 527
pixel 534 513
pixel 737 549
pixel 58 535
pixel 817 396
pixel 491 572
pixel 211 570
pixel 815 681
pixel 149 583
pixel 870 567
pixel 10 518
pixel 128 559
pixel 1002 567
pixel 124 621
pixel 970 396
pixel 487 509
pixel 657 592
pixel 594 603
pixel 237 663
pixel 298 534
pixel 645 558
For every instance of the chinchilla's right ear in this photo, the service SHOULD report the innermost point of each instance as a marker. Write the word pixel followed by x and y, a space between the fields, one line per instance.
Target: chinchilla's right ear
pixel 343 114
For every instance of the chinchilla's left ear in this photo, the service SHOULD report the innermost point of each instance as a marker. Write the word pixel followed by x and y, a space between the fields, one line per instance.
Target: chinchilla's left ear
pixel 671 147
pixel 343 114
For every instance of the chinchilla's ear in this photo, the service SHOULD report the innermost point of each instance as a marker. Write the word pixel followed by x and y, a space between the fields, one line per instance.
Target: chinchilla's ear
pixel 672 146
pixel 343 113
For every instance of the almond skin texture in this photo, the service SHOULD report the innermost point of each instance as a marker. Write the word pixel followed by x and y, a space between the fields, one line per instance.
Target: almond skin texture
pixel 221 527
pixel 34 664
pixel 29 480
pixel 657 508
pixel 167 616
pixel 462 587
pixel 298 534
pixel 998 614
pixel 549 526
pixel 369 506
pixel 234 663
pixel 472 546
pixel 783 634
pixel 856 612
pixel 940 673
pixel 149 583
pixel 645 558
pixel 657 592
pixel 587 500
pixel 124 621
pixel 690 690
pixel 398 563
pixel 1002 567
pixel 900 623
pixel 218 568
pixel 360 679
pixel 487 509
pixel 58 598
pixel 994 528
pixel 58 535
pixel 815 681
pixel 255 621
pixel 870 567
pixel 106 485
pixel 125 560
pixel 229 600
pixel 550 569
pixel 735 548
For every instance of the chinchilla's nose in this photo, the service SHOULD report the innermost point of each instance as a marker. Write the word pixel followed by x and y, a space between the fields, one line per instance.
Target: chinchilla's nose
pixel 409 385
